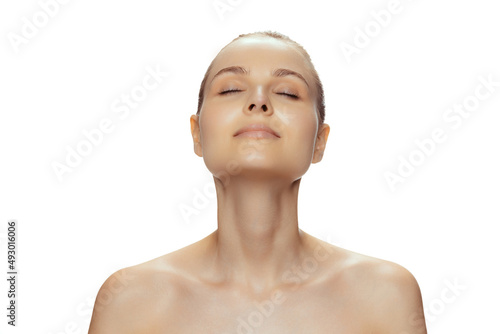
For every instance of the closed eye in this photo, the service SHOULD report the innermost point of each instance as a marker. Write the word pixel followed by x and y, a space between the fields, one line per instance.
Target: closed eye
pixel 293 96
pixel 230 91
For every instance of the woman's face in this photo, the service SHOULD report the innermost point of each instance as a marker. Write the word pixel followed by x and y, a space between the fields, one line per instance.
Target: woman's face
pixel 259 80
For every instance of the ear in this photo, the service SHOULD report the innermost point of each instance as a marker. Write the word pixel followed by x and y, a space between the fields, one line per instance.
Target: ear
pixel 321 140
pixel 195 132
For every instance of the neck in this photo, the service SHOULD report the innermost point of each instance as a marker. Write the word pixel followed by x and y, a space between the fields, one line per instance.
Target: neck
pixel 258 238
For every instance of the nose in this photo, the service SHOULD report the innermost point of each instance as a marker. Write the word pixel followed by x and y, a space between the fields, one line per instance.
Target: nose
pixel 259 101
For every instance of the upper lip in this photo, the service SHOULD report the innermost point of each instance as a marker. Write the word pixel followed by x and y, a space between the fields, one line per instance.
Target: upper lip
pixel 256 127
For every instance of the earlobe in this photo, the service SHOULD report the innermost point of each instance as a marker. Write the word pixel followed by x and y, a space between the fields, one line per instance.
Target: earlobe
pixel 319 149
pixel 195 133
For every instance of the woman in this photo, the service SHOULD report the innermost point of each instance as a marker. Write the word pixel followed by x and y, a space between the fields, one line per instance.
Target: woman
pixel 259 126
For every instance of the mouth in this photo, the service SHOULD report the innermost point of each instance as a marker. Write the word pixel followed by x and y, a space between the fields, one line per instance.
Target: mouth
pixel 256 131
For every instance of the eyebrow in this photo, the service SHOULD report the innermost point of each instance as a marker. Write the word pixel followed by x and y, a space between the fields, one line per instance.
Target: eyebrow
pixel 279 73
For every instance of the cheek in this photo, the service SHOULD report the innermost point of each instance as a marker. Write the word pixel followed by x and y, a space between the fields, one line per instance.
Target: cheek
pixel 212 128
pixel 301 125
pixel 216 128
pixel 218 121
pixel 306 138
pixel 301 134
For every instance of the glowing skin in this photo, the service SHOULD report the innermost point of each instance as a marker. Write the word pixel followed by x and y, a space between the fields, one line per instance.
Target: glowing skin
pixel 258 272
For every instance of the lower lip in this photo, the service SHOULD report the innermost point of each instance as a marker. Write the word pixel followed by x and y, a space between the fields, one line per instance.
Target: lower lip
pixel 257 134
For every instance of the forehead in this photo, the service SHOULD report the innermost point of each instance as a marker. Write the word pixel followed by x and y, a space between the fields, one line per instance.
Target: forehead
pixel 262 54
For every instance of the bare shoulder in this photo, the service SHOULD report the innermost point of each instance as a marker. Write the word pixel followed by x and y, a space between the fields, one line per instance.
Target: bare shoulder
pixel 145 297
pixel 388 293
pixel 362 268
pixel 356 267
pixel 131 298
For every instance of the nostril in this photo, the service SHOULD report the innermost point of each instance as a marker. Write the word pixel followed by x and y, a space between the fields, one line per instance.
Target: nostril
pixel 264 107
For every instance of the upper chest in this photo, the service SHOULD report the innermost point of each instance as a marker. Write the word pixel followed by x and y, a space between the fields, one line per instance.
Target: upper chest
pixel 313 310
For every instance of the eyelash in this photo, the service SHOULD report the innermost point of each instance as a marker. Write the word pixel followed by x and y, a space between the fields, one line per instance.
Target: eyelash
pixel 229 91
pixel 293 96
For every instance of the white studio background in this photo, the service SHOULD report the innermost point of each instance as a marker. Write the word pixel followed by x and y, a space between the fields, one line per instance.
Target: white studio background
pixel 396 83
